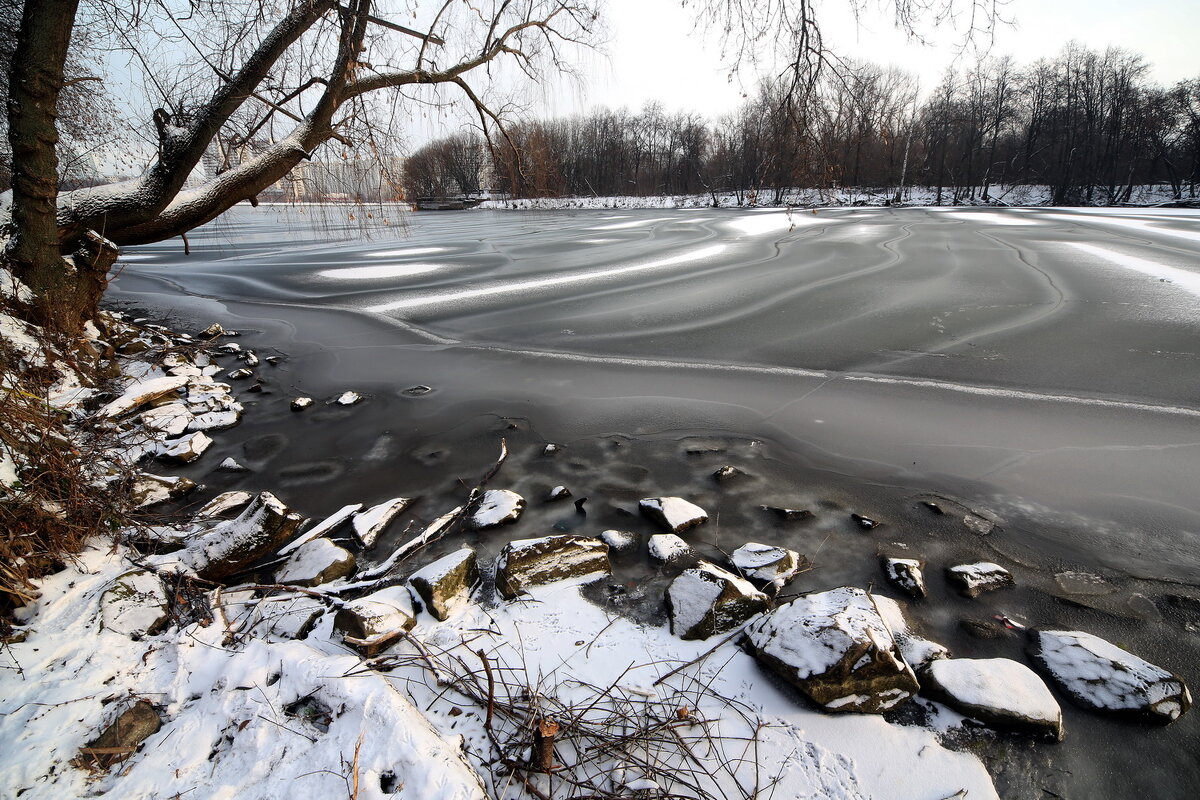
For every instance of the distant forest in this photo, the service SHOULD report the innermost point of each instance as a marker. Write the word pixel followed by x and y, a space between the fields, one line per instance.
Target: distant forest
pixel 1089 125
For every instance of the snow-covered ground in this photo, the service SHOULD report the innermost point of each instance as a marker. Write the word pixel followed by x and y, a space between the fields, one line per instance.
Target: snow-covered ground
pixel 261 715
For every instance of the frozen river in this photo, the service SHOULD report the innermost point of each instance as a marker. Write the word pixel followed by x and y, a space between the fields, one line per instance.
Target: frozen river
pixel 1036 368
pixel 1042 364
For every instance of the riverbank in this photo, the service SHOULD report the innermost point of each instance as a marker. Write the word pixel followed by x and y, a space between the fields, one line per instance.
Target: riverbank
pixel 997 197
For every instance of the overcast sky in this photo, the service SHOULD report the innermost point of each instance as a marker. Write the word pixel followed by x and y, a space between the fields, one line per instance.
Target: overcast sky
pixel 655 55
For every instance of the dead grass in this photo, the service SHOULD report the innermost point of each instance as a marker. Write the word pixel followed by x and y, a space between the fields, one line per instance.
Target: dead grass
pixel 57 502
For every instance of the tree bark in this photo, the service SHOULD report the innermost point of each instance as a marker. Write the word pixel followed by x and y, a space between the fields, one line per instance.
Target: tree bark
pixel 35 82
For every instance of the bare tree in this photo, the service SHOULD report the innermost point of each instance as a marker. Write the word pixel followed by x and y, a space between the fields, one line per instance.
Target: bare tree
pixel 308 75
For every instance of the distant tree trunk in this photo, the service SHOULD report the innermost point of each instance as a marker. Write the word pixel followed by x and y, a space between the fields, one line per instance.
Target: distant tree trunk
pixel 36 79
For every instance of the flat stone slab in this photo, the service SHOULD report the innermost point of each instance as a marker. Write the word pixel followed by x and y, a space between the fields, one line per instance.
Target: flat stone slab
pixel 223 503
pixel 707 600
pixel 673 513
pixel 1097 674
pixel 836 648
pixel 526 563
pixel 374 521
pixel 998 691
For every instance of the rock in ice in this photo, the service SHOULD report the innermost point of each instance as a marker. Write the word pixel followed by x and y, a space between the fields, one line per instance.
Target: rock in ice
pixel 1098 674
pixel 673 513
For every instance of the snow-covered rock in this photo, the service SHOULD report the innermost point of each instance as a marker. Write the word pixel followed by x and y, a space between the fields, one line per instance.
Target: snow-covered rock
pixel 301 403
pixel 135 605
pixel 225 501
pixel 150 489
pixel 372 622
pixel 348 398
pixel 325 526
pixel 998 691
pixel 558 493
pixel 707 600
pixel 767 563
pixel 496 507
pixel 232 546
pixel 667 548
pixel 526 563
pixel 1098 674
pixel 446 584
pixel 186 448
pixel 240 374
pixel 906 574
pixel 866 523
pixel 788 514
pixel 141 392
pixel 836 648
pixel 973 580
pixel 620 541
pixel 171 419
pixel 134 725
pixel 673 513
pixel 727 473
pixel 316 562
pixel 231 464
pixel 370 523
pixel 277 619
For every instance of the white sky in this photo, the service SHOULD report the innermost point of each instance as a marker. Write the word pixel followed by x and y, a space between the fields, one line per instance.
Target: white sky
pixel 655 55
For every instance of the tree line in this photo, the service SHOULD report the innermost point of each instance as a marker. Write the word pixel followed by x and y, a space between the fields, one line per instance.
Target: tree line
pixel 1089 125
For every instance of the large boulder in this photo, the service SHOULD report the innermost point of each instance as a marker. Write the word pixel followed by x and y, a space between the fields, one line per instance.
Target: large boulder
pixel 316 562
pixel 673 513
pixel 446 584
pixel 708 600
pixel 135 605
pixel 230 547
pixel 836 648
pixel 998 691
pixel 496 507
pixel 373 622
pixel 767 563
pixel 1097 674
pixel 526 563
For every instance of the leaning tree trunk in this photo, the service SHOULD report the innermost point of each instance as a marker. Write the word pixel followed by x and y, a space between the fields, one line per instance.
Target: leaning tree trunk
pixel 36 77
